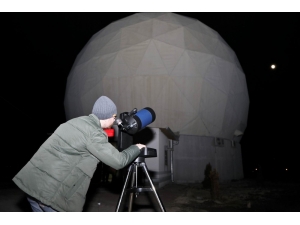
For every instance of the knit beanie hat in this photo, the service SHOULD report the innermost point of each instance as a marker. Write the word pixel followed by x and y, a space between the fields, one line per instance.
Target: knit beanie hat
pixel 104 108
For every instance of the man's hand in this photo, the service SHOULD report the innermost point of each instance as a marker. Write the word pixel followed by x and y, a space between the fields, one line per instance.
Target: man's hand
pixel 140 146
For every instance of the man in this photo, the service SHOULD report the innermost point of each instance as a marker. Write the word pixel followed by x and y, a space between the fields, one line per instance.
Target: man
pixel 58 176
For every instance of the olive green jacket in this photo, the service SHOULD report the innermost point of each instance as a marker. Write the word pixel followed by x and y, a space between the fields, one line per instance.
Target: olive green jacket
pixel 59 173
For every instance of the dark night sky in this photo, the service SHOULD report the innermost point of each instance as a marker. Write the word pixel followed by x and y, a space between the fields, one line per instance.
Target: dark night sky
pixel 38 51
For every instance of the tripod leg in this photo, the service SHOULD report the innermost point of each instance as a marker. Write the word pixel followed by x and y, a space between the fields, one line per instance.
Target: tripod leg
pixel 124 187
pixel 152 186
pixel 132 184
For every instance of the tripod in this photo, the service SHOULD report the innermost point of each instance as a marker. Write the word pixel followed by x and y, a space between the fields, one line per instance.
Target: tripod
pixel 133 170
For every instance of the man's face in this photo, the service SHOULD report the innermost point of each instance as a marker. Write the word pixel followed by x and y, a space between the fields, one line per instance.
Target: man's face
pixel 112 120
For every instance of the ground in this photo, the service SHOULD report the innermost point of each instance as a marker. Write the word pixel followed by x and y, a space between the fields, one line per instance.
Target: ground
pixel 246 195
pixel 241 196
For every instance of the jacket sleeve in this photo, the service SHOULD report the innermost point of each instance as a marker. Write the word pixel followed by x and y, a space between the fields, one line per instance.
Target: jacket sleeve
pixel 99 147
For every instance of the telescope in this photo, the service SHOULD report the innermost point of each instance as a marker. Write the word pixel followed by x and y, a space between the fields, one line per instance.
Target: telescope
pixel 129 124
pixel 135 121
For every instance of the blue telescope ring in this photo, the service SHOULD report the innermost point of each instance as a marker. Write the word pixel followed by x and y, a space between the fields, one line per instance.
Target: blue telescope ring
pixel 144 117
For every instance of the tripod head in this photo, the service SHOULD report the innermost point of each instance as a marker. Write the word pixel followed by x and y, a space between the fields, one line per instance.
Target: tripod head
pixel 148 153
pixel 145 153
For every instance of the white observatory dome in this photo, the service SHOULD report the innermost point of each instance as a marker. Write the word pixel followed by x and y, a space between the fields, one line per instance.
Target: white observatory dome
pixel 176 65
